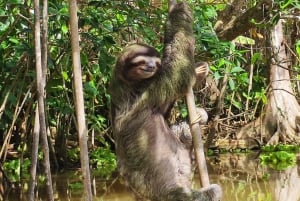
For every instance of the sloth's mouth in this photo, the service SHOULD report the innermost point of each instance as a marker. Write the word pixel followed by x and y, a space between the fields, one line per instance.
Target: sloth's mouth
pixel 148 70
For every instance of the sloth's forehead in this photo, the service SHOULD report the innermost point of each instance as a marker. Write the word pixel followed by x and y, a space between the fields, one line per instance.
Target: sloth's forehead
pixel 146 59
pixel 140 50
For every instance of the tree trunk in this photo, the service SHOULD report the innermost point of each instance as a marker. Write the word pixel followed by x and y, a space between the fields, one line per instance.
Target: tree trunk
pixel 79 101
pixel 282 111
pixel 40 96
pixel 280 119
pixel 34 156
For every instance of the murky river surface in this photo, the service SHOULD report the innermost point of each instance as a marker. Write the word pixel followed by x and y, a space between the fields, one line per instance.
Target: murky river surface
pixel 241 176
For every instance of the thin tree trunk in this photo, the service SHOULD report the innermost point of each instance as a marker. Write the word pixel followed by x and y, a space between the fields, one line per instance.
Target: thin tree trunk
pixel 40 94
pixel 45 41
pixel 34 156
pixel 45 70
pixel 79 101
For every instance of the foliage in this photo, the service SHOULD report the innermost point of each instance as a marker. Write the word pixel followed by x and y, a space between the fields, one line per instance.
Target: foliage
pixel 73 154
pixel 279 160
pixel 281 147
pixel 13 169
pixel 229 58
pixel 103 161
pixel 76 186
pixel 279 156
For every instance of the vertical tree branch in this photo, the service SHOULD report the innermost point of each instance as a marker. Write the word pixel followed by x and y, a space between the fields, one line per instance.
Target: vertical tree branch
pixel 45 69
pixel 197 140
pixel 40 94
pixel 79 101
pixel 44 40
pixel 34 155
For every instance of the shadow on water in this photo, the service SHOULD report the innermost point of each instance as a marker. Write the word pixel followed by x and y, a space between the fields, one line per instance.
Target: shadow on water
pixel 240 175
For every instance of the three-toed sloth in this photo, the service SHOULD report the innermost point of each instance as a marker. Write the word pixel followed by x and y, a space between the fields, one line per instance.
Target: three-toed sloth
pixel 154 161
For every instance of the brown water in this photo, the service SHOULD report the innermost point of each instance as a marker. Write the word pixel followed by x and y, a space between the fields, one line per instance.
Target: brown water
pixel 241 177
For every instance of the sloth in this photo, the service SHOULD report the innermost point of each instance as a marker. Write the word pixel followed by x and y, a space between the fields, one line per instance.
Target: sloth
pixel 155 163
pixel 154 159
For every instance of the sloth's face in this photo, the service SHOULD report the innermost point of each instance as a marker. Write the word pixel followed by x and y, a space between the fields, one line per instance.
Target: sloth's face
pixel 143 67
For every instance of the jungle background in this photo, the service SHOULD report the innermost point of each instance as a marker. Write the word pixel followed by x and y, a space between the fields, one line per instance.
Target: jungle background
pixel 251 92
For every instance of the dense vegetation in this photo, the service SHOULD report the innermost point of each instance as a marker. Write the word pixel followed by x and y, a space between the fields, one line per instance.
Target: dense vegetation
pixel 106 27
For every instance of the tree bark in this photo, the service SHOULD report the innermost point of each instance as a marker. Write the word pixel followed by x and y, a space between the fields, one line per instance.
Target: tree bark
pixel 79 101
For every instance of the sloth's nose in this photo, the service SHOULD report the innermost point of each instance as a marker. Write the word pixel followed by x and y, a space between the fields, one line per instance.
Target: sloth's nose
pixel 151 65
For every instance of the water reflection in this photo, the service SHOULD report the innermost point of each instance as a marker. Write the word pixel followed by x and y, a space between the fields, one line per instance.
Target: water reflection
pixel 243 178
pixel 240 175
pixel 287 184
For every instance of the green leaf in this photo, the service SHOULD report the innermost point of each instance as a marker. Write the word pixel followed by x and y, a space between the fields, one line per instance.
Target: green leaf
pixel 120 18
pixel 283 4
pixel 221 62
pixel 217 75
pixel 64 28
pixel 4 45
pixel 90 88
pixel 2 12
pixel 231 84
pixel 264 99
pixel 108 25
pixel 246 96
pixel 236 104
pixel 183 112
pixel 4 26
pixel 65 76
pixel 244 40
pixel 256 56
pixel 298 48
pixel 14 40
pixel 64 11
pixel 237 69
pixel 84 59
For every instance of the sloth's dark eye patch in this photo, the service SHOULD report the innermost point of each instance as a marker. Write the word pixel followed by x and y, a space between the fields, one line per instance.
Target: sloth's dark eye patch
pixel 138 63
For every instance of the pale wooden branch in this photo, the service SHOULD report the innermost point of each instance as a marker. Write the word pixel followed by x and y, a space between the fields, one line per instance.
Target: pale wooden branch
pixel 197 140
pixel 79 101
pixel 40 98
